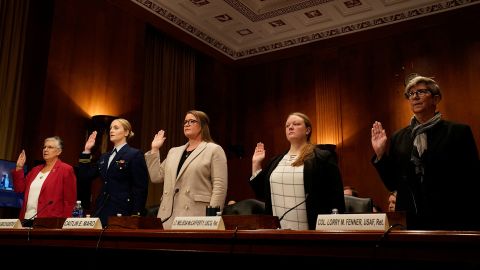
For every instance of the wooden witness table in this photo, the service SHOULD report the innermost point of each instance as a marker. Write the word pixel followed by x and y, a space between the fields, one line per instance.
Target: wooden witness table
pixel 118 247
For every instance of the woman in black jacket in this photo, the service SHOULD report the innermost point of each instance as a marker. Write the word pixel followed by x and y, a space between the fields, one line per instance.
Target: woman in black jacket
pixel 302 182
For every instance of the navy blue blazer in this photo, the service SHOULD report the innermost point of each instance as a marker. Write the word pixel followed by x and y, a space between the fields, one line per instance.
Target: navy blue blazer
pixel 124 184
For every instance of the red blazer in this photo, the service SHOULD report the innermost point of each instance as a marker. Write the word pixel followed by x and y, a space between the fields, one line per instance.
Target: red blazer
pixel 60 187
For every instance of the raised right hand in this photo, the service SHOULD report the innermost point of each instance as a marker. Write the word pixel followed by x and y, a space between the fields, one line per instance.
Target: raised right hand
pixel 258 157
pixel 158 141
pixel 379 139
pixel 22 158
pixel 259 154
pixel 90 142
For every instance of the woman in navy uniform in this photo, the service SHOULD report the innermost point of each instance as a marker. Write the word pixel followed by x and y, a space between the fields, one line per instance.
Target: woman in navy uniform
pixel 123 172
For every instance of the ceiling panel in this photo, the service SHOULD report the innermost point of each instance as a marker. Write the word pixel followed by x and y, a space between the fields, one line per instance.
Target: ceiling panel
pixel 246 28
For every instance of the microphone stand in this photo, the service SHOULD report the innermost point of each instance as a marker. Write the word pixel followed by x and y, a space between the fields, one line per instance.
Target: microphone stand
pixel 29 222
pixel 284 214
pixel 99 209
pixel 173 201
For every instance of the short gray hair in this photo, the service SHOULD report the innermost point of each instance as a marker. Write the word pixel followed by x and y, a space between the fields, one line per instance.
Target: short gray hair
pixel 57 139
pixel 430 83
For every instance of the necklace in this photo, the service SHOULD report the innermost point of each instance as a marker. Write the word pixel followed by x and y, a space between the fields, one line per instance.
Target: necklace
pixel 41 175
pixel 187 153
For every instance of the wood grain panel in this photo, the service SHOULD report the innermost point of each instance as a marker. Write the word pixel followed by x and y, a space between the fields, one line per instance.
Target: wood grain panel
pixel 95 65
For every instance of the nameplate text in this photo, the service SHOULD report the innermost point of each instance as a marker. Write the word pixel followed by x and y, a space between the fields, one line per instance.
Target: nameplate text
pixel 82 223
pixel 352 222
pixel 10 223
pixel 198 223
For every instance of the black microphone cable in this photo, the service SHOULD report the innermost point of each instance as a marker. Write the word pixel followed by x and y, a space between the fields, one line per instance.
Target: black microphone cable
pixel 30 220
pixel 28 233
pixel 97 254
pixel 100 237
pixel 385 234
pixel 233 240
pixel 381 241
pixel 284 214
pixel 173 204
pixel 99 209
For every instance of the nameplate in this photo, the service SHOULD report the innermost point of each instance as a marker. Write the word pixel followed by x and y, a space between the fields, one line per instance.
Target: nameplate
pixel 82 223
pixel 352 222
pixel 198 223
pixel 10 223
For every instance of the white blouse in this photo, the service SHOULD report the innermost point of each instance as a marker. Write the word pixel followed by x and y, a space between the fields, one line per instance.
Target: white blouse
pixel 34 193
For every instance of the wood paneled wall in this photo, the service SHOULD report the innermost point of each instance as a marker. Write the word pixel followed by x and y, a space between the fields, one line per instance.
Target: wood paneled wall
pixel 95 66
pixel 347 86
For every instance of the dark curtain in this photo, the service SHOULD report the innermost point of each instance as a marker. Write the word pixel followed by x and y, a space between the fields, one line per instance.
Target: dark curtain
pixel 168 94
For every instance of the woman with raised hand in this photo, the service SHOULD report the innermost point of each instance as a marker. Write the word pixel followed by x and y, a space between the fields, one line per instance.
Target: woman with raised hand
pixel 50 189
pixel 123 171
pixel 194 175
pixel 302 182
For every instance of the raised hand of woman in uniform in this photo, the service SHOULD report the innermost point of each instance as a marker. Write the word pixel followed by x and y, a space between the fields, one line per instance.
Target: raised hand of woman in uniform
pixel 90 142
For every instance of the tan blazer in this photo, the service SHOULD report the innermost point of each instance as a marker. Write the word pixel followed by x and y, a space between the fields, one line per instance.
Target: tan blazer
pixel 201 181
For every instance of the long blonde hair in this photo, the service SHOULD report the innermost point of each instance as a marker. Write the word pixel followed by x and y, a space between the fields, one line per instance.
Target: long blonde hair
pixel 307 150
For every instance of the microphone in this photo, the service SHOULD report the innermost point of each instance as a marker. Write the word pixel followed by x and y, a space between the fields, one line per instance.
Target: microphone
pixel 29 222
pixel 284 214
pixel 99 209
pixel 173 201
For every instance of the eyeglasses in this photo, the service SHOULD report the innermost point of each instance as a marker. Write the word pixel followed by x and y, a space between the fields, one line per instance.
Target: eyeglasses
pixel 420 93
pixel 189 122
pixel 49 147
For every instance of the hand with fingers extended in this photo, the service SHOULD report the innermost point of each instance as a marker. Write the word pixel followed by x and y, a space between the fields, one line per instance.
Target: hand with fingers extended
pixel 90 142
pixel 258 157
pixel 22 158
pixel 379 139
pixel 158 141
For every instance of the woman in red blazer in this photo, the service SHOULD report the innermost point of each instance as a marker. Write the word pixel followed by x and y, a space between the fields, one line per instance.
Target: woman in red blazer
pixel 50 189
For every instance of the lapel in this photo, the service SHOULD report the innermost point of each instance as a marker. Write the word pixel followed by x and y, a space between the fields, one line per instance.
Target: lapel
pixel 117 157
pixel 191 157
pixel 177 156
pixel 434 137
pixel 103 163
pixel 35 172
pixel 51 175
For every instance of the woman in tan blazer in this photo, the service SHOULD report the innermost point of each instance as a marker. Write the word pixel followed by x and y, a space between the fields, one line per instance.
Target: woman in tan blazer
pixel 194 175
